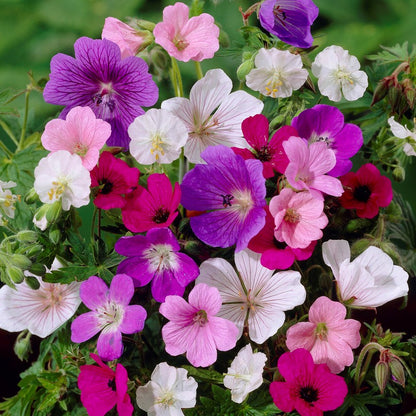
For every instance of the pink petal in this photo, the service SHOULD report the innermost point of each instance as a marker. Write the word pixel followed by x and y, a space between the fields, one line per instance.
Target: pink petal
pixel 281 395
pixel 224 333
pixel 133 320
pixel 301 335
pixel 93 292
pixel 326 310
pixel 121 289
pixel 85 327
pixel 201 352
pixel 109 344
pixel 203 297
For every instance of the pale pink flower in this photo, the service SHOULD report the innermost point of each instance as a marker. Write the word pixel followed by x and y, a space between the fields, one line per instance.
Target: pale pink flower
pixel 298 217
pixel 328 336
pixel 81 133
pixel 128 40
pixel 187 38
pixel 194 327
pixel 308 165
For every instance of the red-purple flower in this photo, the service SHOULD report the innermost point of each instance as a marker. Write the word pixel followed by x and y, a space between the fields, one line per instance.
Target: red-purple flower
pixel 310 388
pixel 114 88
pixel 366 191
pixel 154 207
pixel 103 388
pixel 114 179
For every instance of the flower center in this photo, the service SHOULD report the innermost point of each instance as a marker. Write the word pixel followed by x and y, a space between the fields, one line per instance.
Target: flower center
pixel 323 137
pixel 157 143
pixel 80 149
pixel 321 331
pixel 110 314
pixel 279 15
pixel 362 193
pixel 263 154
pixel 161 257
pixel 161 215
pixel 179 42
pixel 112 384
pixel 167 399
pixel 272 87
pixel 200 318
pixel 242 201
pixel 58 188
pixel 309 394
pixel 226 200
pixel 104 101
pixel 291 216
pixel 344 76
pixel 105 186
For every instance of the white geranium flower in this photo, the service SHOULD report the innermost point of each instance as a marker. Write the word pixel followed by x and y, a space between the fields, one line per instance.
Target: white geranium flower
pixel 255 295
pixel 338 71
pixel 370 280
pixel 168 391
pixel 157 136
pixel 277 73
pixel 245 374
pixel 7 199
pixel 212 114
pixel 61 176
pixel 402 132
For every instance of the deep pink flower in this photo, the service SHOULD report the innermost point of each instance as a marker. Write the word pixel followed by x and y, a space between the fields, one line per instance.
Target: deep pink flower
pixel 328 335
pixel 270 153
pixel 114 179
pixel 298 217
pixel 187 38
pixel 154 207
pixel 366 191
pixel 274 254
pixel 103 388
pixel 310 388
pixel 194 327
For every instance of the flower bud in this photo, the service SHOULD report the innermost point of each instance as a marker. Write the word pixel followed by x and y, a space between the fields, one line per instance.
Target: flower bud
pixel 20 261
pixel 34 250
pixel 27 236
pixel 22 347
pixel 32 282
pixel 159 58
pixel 31 197
pixel 397 371
pixel 14 273
pixel 244 69
pixel 55 236
pixel 38 270
pixel 399 174
pixel 382 374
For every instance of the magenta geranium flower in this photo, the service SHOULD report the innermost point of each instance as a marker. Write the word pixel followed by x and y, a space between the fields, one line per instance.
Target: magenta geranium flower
pixel 366 191
pixel 310 389
pixel 155 257
pixel 113 179
pixel 103 388
pixel 298 217
pixel 232 190
pixel 110 313
pixel 325 123
pixel 154 207
pixel 114 88
pixel 194 328
pixel 269 152
pixel 187 38
pixel 328 336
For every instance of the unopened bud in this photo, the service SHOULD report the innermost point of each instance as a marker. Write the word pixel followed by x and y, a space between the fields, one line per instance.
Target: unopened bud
pixel 27 236
pixel 382 374
pixel 37 269
pixel 14 273
pixel 399 174
pixel 34 250
pixel 408 91
pixel 53 211
pixel 244 69
pixel 159 58
pixel 22 347
pixel 32 282
pixel 55 236
pixel 20 261
pixel 31 197
pixel 144 24
pixel 397 371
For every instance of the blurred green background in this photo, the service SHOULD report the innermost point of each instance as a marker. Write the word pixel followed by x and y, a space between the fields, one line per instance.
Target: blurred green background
pixel 32 31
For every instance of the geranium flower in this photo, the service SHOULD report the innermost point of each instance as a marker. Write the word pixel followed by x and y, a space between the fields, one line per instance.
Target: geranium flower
pixel 7 199
pixel 113 179
pixel 366 191
pixel 213 115
pixel 308 165
pixel 232 190
pixel 245 373
pixel 270 153
pixel 61 177
pixel 114 88
pixel 255 296
pixel 187 38
pixel 154 207
pixel 338 74
pixel 168 391
pixel 157 136
pixel 81 133
pixel 310 389
pixel 277 73
pixel 298 217
pixel 402 132
pixel 325 123
pixel 195 328
pixel 155 257
pixel 328 336
pixel 103 388
pixel 110 313
pixel 290 21
pixel 369 281
pixel 274 254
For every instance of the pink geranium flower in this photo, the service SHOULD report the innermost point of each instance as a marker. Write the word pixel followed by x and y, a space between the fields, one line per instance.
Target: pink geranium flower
pixel 194 327
pixel 154 207
pixel 328 335
pixel 81 133
pixel 187 38
pixel 103 388
pixel 308 165
pixel 310 388
pixel 298 217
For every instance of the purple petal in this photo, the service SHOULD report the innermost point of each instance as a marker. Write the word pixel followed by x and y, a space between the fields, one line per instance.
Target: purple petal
pixel 163 236
pixel 187 270
pixel 121 289
pixel 138 269
pixel 131 246
pixel 93 292
pixel 85 327
pixel 133 320
pixel 109 345
pixel 165 284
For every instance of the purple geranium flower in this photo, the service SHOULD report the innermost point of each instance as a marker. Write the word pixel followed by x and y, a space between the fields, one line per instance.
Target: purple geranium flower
pixel 110 313
pixel 156 257
pixel 114 88
pixel 232 190
pixel 326 123
pixel 289 20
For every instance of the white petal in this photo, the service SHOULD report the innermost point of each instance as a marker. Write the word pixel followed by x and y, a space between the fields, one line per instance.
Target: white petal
pixel 334 253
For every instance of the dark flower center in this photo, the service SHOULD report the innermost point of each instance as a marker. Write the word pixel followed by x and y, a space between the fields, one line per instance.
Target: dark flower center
pixel 309 394
pixel 279 15
pixel 362 193
pixel 106 186
pixel 161 215
pixel 226 200
pixel 104 100
pixel 263 154
pixel 200 318
pixel 112 384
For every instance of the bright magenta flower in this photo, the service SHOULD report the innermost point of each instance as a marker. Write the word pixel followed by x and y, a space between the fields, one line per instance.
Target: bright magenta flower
pixel 310 388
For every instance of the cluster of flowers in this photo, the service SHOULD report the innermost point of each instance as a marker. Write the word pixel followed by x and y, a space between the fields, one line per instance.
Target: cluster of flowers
pixel 103 90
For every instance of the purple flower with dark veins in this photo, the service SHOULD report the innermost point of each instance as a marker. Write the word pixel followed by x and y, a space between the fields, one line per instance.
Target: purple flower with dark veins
pixel 289 20
pixel 114 88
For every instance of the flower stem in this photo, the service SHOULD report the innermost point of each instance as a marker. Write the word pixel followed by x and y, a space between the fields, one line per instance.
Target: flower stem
pixel 6 128
pixel 8 153
pixel 176 78
pixel 360 369
pixel 23 133
pixel 198 68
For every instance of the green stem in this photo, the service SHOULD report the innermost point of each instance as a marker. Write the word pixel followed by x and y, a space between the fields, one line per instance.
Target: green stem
pixel 176 78
pixel 6 128
pixel 360 369
pixel 198 68
pixel 23 134
pixel 94 216
pixel 6 150
pixel 182 167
